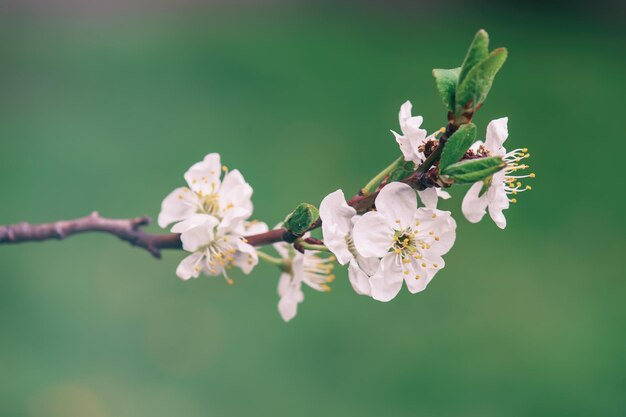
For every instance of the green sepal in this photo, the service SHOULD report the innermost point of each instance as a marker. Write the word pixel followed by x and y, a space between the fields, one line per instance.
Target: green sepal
pixel 457 145
pixel 447 81
pixel 302 218
pixel 473 90
pixel 474 170
pixel 486 184
pixel 477 52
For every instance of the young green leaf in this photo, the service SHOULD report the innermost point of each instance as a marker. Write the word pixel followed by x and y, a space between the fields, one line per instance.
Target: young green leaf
pixel 457 145
pixel 474 170
pixel 477 52
pixel 486 184
pixel 299 221
pixel 473 90
pixel 446 81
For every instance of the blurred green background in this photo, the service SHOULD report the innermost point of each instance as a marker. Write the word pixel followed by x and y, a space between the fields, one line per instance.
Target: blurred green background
pixel 107 112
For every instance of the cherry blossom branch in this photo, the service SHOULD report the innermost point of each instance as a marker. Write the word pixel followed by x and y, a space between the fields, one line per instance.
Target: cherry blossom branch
pixel 129 229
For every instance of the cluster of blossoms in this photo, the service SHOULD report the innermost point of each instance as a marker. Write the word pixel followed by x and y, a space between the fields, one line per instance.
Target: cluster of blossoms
pixel 397 241
pixel 211 215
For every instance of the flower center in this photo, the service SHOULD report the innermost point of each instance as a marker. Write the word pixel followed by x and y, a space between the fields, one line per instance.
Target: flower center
pixel 219 254
pixel 210 204
pixel 410 245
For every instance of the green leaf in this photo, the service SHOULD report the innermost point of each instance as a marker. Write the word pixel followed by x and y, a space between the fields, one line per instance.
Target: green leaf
pixel 477 52
pixel 486 184
pixel 457 145
pixel 301 219
pixel 473 90
pixel 446 81
pixel 474 170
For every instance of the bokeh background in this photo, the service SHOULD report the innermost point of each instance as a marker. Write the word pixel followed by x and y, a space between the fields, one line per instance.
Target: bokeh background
pixel 104 105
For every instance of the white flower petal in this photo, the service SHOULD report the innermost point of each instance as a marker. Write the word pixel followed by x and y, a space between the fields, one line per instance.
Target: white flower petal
pixel 178 205
pixel 359 279
pixel 190 266
pixel 497 132
pixel 235 191
pixel 496 214
pixel 337 217
pixel 473 206
pixel 200 235
pixel 204 176
pixel 195 220
pixel 233 220
pixel 437 224
pixel 397 202
pixel 246 257
pixel 255 227
pixel 405 112
pixel 429 197
pixel 290 292
pixel 408 147
pixel 387 281
pixel 418 277
pixel 373 237
pixel 444 195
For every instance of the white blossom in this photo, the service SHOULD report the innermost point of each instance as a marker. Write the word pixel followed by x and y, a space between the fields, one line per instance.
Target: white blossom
pixel 310 269
pixel 412 138
pixel 337 223
pixel 412 134
pixel 503 183
pixel 410 241
pixel 215 246
pixel 207 193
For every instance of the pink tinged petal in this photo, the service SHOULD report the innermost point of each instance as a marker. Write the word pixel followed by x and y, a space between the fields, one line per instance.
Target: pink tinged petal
pixel 373 237
pixel 397 202
pixel 178 205
pixel 387 281
pixel 359 279
pixel 235 192
pixel 337 217
pixel 204 176
pixel 497 132
pixel 190 266
pixel 473 206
